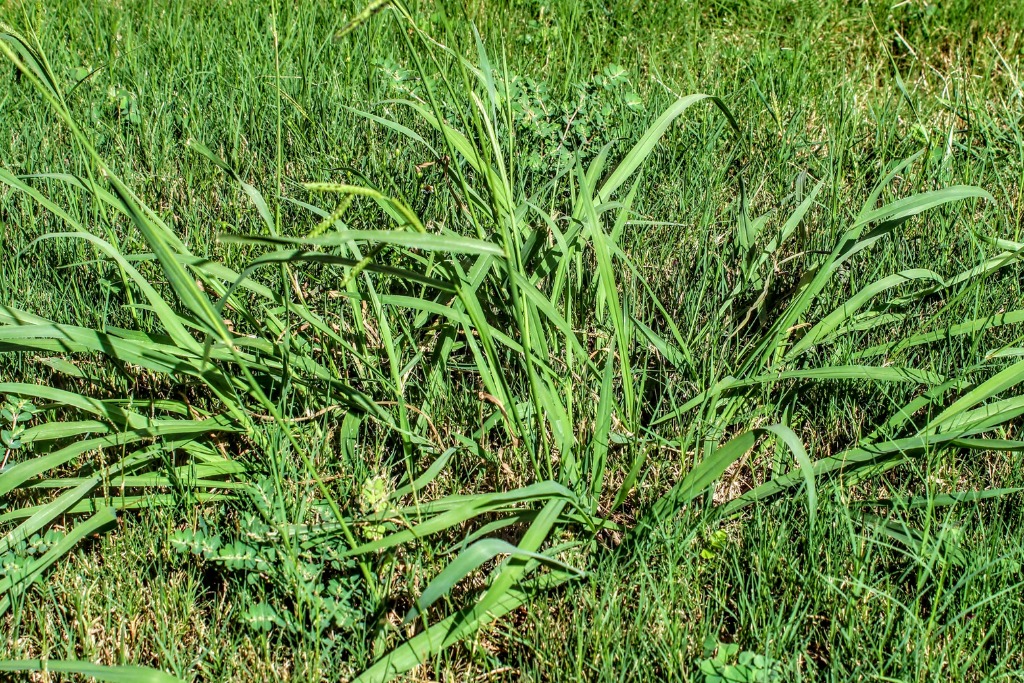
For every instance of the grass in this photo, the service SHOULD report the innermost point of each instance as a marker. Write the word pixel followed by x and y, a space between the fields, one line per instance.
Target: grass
pixel 443 343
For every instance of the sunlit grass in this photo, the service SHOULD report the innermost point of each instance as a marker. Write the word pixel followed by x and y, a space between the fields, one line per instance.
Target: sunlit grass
pixel 390 417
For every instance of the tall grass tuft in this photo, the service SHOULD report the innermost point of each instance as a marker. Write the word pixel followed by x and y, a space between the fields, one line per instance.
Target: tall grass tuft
pixel 522 297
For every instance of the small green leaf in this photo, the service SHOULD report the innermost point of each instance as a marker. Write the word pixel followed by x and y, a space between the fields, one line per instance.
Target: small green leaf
pixel 237 556
pixel 615 75
pixel 262 617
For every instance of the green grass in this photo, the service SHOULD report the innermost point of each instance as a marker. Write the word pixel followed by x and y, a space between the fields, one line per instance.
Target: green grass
pixel 403 349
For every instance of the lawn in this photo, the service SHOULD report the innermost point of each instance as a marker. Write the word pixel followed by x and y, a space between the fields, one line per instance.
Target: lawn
pixel 511 341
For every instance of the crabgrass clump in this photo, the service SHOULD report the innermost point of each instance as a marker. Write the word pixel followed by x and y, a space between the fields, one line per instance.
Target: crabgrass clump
pixel 394 404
